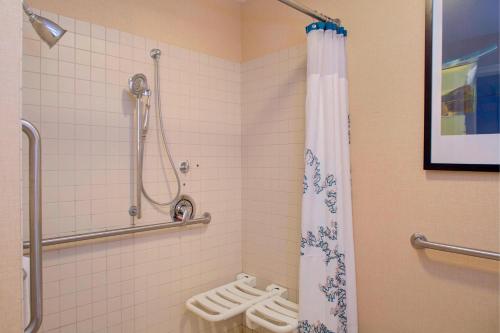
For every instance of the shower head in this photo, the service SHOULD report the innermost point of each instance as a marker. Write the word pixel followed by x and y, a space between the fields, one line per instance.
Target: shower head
pixel 49 31
pixel 138 85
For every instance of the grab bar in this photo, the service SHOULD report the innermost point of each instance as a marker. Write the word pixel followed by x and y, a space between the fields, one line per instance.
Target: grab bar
pixel 205 219
pixel 35 220
pixel 419 241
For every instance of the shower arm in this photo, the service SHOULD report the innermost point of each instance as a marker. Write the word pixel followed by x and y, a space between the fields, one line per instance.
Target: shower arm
pixel 27 9
pixel 48 31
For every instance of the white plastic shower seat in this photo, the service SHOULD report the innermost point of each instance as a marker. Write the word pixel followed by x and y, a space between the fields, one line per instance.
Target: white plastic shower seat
pixel 275 314
pixel 232 299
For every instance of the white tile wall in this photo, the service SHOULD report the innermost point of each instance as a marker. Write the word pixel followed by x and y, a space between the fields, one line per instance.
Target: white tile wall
pixel 76 94
pixel 273 99
pixel 247 167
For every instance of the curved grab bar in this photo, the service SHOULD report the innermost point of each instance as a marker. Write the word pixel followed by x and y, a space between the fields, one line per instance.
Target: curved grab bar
pixel 419 241
pixel 35 220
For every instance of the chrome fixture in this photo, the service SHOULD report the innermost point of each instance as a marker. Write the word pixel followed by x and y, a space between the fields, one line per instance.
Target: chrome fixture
pixel 310 12
pixel 205 219
pixel 132 211
pixel 419 241
pixel 155 53
pixel 35 225
pixel 138 86
pixel 183 210
pixel 184 167
pixel 49 31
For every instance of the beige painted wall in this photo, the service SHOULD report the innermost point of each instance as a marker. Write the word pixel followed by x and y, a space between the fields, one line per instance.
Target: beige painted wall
pixel 399 289
pixel 209 26
pixel 272 121
pixel 269 26
pixel 10 135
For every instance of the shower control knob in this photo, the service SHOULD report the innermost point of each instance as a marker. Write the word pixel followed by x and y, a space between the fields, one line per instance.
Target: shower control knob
pixel 184 209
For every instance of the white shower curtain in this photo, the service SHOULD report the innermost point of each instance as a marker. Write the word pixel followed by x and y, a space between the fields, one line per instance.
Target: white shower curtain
pixel 327 291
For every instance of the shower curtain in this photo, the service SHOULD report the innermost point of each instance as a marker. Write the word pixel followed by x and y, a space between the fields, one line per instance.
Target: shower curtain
pixel 327 290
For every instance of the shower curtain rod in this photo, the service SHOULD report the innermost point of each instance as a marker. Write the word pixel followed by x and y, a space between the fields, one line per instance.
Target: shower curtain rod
pixel 308 11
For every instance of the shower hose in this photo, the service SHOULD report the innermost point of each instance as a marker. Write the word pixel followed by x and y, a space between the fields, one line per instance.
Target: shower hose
pixel 163 140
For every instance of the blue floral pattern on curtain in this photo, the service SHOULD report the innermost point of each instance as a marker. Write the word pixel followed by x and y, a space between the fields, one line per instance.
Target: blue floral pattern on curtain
pixel 327 289
pixel 324 238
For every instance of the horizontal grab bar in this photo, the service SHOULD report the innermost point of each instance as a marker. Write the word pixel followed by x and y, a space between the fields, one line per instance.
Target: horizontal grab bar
pixel 205 219
pixel 419 241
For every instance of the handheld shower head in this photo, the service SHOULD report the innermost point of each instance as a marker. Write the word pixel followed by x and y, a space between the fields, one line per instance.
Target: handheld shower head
pixel 49 31
pixel 138 85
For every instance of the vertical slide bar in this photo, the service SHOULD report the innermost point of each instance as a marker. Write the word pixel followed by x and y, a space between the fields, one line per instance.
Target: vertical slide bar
pixel 139 159
pixel 35 219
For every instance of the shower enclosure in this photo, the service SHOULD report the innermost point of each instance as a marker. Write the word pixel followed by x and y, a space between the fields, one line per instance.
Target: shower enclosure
pixel 107 166
pixel 70 198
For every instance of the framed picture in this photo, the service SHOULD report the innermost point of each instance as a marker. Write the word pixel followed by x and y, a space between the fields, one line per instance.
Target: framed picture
pixel 462 72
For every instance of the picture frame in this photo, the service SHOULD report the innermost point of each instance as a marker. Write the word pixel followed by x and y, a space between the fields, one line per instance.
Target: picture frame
pixel 462 113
